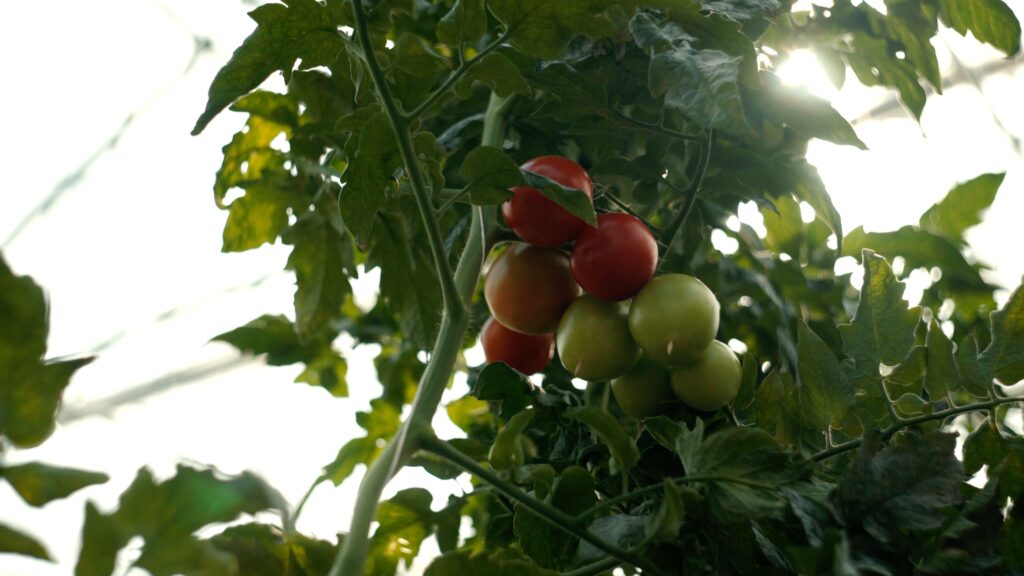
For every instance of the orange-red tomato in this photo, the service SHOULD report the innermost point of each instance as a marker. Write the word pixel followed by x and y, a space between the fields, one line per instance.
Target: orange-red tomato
pixel 616 259
pixel 526 353
pixel 538 220
pixel 529 287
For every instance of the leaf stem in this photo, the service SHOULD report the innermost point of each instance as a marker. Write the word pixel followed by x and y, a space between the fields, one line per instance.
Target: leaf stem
pixel 451 201
pixel 453 78
pixel 599 567
pixel 553 515
pixel 668 235
pixel 294 518
pixel 891 431
pixel 656 128
pixel 657 487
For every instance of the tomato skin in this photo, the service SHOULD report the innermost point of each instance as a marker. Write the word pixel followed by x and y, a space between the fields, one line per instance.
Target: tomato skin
pixel 538 220
pixel 674 318
pixel 526 353
pixel 711 381
pixel 616 259
pixel 593 340
pixel 529 287
pixel 641 391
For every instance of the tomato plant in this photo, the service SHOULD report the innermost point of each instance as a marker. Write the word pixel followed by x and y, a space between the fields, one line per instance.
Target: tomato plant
pixel 526 353
pixel 537 219
pixel 674 318
pixel 400 131
pixel 616 259
pixel 711 381
pixel 594 341
pixel 529 287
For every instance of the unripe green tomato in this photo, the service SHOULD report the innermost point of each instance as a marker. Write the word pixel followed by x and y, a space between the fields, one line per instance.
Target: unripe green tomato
pixel 593 339
pixel 641 391
pixel 711 381
pixel 674 318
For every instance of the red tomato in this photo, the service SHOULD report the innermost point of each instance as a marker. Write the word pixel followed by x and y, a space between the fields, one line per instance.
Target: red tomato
pixel 616 259
pixel 538 220
pixel 529 287
pixel 524 352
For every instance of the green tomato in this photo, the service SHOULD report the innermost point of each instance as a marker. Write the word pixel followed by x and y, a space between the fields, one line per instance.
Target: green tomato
pixel 593 339
pixel 674 318
pixel 641 391
pixel 711 381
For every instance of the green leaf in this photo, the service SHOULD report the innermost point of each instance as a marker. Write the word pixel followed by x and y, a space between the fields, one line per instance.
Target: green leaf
pixel 271 335
pixel 404 522
pixel 547 544
pixel 882 330
pixel 826 397
pixel 248 156
pixel 15 542
pixel 990 21
pixel 962 207
pixel 754 15
pixel 261 215
pixel 975 374
pixel 265 550
pixel 983 446
pixel 489 174
pixel 320 258
pixel 38 484
pixel 607 428
pixel 664 525
pixel 874 66
pixel 463 24
pixel 906 487
pixel 920 249
pixel 913 25
pixel 808 187
pixel 704 85
pixel 285 33
pixel 499 383
pixel 1004 356
pixel 808 115
pixel 497 72
pixel 506 451
pixel 26 317
pixel 543 29
pixel 381 424
pixel 492 562
pixel 166 514
pixel 941 374
pixel 576 202
pixel 369 172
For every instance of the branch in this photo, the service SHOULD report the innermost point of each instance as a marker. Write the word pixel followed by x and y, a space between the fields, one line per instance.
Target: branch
pixel 891 431
pixel 657 487
pixel 399 125
pixel 656 128
pixel 453 78
pixel 668 235
pixel 599 567
pixel 553 515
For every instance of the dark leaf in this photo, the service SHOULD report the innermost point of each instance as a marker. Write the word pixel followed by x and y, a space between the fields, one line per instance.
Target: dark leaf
pixel 543 29
pixel 1004 357
pixel 464 23
pixel 962 207
pixel 322 260
pixel 607 428
pixel 500 562
pixel 15 542
pixel 38 484
pixel 808 115
pixel 499 383
pixel 920 249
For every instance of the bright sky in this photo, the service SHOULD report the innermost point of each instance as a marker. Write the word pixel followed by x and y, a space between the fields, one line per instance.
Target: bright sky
pixel 139 235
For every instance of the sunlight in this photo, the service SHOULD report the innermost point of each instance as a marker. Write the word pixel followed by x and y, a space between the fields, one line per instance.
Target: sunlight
pixel 801 68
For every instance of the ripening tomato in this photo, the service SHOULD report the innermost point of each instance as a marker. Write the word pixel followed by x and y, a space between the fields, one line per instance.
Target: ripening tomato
pixel 529 287
pixel 641 391
pixel 593 340
pixel 674 318
pixel 711 381
pixel 616 259
pixel 538 220
pixel 526 353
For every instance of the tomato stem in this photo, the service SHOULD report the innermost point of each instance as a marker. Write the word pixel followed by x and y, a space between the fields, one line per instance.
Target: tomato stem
pixel 669 233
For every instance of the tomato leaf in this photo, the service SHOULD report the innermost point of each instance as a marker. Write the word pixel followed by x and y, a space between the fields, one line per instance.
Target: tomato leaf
pixel 381 424
pixel 607 428
pixel 38 484
pixel 547 544
pixel 962 207
pixel 403 523
pixel 493 562
pixel 941 373
pixel 1004 356
pixel 576 202
pixel 497 72
pixel 990 21
pixel 320 257
pixel 370 170
pixel 499 383
pixel 262 549
pixel 543 29
pixel 16 542
pixel 489 174
pixel 464 23
pixel 808 115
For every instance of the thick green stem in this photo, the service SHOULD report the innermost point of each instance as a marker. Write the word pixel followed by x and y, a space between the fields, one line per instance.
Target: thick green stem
pixel 452 303
pixel 889 432
pixel 553 515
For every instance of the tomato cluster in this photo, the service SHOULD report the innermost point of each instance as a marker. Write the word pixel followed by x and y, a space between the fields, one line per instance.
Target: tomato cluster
pixel 601 305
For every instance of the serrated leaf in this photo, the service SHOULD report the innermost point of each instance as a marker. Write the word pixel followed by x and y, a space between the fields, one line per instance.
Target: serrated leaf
pixel 370 169
pixel 882 330
pixel 825 395
pixel 920 249
pixel 623 448
pixel 248 156
pixel 166 514
pixel 261 215
pixel 808 115
pixel 962 207
pixel 990 21
pixel 404 522
pixel 546 543
pixel 873 65
pixel 497 72
pixel 499 383
pixel 38 484
pixel 543 29
pixel 463 24
pixel 271 335
pixel 265 550
pixel 905 487
pixel 285 33
pixel 575 202
pixel 320 258
pixel 983 446
pixel 704 85
pixel 1004 356
pixel 941 374
pixel 664 525
pixel 489 174
pixel 913 26
pixel 16 542
pixel 807 186
pixel 506 452
pixel 381 424
pixel 975 374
